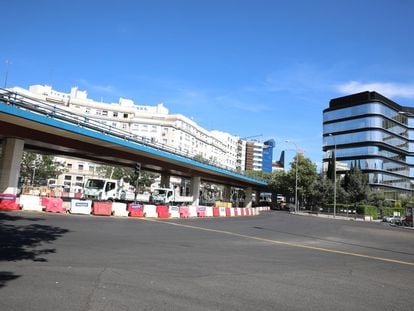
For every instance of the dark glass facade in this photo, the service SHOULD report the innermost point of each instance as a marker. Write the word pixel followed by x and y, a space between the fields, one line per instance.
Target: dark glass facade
pixel 268 155
pixel 374 133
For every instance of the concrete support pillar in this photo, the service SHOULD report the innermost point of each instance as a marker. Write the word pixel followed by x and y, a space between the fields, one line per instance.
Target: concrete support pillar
pixel 165 180
pixel 195 189
pixel 248 201
pixel 257 196
pixel 226 196
pixel 11 158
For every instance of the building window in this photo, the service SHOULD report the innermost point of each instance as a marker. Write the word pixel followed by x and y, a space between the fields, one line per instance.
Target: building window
pixel 115 114
pixel 125 116
pixel 104 113
pixel 80 167
pixel 68 177
pixel 69 165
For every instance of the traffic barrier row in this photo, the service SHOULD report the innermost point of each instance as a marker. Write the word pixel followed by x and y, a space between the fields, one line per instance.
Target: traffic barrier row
pixel 108 208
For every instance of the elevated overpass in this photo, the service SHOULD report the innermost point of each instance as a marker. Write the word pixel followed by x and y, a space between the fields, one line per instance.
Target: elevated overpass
pixel 31 124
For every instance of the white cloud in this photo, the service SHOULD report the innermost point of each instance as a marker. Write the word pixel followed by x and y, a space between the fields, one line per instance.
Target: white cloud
pixel 389 89
pixel 98 88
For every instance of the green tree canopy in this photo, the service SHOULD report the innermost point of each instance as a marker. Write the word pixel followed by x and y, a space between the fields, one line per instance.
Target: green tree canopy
pixel 306 176
pixel 356 185
pixel 40 167
pixel 128 175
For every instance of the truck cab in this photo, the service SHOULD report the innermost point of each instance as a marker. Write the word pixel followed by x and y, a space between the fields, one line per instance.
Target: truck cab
pixel 101 189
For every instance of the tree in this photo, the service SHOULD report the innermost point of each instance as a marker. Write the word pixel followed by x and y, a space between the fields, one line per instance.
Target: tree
pixel 307 175
pixel 330 173
pixel 356 185
pixel 38 168
pixel 259 175
pixel 116 172
pixel 278 184
pixel 321 192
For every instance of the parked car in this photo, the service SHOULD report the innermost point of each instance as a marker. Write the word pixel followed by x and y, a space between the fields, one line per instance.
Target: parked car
pixel 397 220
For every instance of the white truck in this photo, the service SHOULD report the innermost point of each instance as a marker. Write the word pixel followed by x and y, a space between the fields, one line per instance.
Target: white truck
pixel 117 190
pixel 169 196
pixel 108 189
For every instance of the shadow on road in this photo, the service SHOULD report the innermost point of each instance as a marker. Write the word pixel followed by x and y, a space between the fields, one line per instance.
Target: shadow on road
pixel 23 242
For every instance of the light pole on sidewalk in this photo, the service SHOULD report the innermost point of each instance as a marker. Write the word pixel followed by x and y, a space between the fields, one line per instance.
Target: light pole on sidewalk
pixel 296 175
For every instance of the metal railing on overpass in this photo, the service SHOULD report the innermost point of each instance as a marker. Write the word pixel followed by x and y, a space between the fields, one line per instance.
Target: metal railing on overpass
pixel 44 108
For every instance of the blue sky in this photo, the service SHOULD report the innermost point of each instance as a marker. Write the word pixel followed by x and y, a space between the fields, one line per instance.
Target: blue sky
pixel 245 67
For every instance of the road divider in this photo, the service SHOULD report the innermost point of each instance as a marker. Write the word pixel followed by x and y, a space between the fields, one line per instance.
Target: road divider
pixel 109 208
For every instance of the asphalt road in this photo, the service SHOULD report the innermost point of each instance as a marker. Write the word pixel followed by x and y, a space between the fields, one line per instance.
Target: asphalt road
pixel 275 261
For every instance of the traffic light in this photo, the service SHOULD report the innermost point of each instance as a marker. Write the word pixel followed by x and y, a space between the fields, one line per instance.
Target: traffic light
pixel 137 169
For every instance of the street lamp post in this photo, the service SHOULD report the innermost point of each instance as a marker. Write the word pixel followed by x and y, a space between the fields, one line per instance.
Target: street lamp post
pixel 296 175
pixel 334 168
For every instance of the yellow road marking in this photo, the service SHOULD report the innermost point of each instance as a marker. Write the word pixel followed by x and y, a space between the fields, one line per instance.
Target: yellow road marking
pixel 322 249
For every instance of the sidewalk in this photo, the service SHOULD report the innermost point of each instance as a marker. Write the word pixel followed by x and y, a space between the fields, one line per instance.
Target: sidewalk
pixel 368 218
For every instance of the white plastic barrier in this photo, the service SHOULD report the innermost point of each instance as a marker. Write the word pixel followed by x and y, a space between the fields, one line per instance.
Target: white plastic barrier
pixel 209 211
pixel 80 207
pixel 232 212
pixel 30 203
pixel 119 209
pixel 222 211
pixel 193 210
pixel 174 212
pixel 150 211
pixel 238 211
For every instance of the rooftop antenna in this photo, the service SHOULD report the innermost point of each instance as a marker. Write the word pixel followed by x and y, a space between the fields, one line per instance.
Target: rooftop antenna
pixel 7 72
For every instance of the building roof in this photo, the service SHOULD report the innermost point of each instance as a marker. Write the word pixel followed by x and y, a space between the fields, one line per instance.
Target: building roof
pixel 365 97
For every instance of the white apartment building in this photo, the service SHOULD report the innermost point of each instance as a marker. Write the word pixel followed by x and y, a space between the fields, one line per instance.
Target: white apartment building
pixel 154 123
pixel 77 173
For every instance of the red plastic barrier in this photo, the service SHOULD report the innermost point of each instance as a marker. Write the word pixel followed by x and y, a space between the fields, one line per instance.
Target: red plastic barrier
pixel 201 211
pixel 7 197
pixel 44 201
pixel 247 211
pixel 9 206
pixel 216 211
pixel 103 208
pixel 236 212
pixel 136 210
pixel 78 195
pixel 8 202
pixel 242 212
pixel 228 213
pixel 184 212
pixel 54 205
pixel 162 211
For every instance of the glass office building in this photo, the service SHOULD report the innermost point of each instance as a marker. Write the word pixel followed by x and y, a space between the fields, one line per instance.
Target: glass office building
pixel 268 147
pixel 376 134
